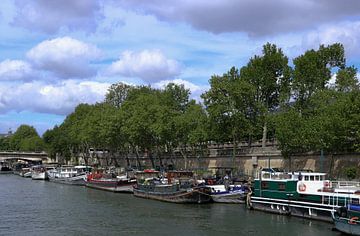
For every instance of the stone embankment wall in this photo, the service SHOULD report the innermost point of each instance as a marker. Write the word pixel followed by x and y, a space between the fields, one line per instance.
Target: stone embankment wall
pixel 249 160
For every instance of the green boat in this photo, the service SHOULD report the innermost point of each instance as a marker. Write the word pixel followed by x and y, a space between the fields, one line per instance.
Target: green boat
pixel 307 194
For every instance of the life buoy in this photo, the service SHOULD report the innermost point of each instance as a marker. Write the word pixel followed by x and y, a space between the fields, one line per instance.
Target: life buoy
pixel 326 184
pixel 353 220
pixel 302 187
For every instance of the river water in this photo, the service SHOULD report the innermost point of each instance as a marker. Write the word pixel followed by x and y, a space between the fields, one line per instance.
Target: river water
pixel 30 207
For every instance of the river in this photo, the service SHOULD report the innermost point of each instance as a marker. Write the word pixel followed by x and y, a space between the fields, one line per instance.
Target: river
pixel 30 207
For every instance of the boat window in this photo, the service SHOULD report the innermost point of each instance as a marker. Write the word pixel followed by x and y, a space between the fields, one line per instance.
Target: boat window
pixel 323 177
pixel 317 178
pixel 355 201
pixel 281 186
pixel 311 178
pixel 306 178
pixel 264 185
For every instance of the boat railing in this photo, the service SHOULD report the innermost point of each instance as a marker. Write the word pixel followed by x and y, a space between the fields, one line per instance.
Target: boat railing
pixel 345 184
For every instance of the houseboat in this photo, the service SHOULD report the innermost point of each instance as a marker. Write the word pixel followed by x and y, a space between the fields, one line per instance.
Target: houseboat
pixel 175 186
pixel 73 175
pixel 308 195
pixel 110 182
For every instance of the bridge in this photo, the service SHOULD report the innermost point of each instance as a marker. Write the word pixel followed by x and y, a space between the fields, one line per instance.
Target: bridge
pixel 24 156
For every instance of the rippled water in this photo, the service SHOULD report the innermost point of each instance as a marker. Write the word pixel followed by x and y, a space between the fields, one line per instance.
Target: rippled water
pixel 30 207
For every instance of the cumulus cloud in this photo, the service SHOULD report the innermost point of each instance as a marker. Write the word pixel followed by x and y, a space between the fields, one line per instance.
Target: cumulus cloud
pixel 15 70
pixel 196 90
pixel 149 65
pixel 52 15
pixel 65 57
pixel 58 99
pixel 347 33
pixel 255 17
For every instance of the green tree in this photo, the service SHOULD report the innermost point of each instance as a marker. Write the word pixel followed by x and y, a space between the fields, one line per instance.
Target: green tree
pixel 270 75
pixel 26 138
pixel 117 94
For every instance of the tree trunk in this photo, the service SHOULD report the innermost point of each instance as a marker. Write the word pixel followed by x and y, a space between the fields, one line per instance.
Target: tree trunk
pixel 264 135
pixel 152 160
pixel 184 155
pixel 138 157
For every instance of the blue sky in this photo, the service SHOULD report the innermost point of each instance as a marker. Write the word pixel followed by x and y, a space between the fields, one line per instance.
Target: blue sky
pixel 57 54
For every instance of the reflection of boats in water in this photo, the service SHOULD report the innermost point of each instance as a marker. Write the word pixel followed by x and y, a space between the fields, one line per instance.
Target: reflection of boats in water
pixel 307 195
pixel 74 175
pixel 110 182
pixel 5 168
pixel 231 194
pixel 177 187
pixel 346 219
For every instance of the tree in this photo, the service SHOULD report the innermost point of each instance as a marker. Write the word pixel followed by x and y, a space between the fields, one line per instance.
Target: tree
pixel 26 138
pixel 346 80
pixel 117 94
pixel 312 72
pixel 270 75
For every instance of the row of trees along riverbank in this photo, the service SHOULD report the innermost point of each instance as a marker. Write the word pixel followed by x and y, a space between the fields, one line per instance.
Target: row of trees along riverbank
pixel 270 97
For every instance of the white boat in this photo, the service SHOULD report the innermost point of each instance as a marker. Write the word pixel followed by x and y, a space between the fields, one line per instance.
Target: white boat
pixel 39 173
pixel 74 175
pixel 25 172
pixel 232 194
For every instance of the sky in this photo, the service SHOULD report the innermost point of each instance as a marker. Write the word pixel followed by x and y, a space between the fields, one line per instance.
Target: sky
pixel 55 54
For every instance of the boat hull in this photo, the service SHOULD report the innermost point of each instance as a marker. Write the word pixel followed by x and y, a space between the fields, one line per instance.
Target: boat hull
pixel 232 197
pixel 294 208
pixel 77 180
pixel 183 196
pixel 39 176
pixel 111 185
pixel 343 225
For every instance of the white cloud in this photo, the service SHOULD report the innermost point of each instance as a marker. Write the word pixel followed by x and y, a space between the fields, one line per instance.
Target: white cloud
pixel 51 16
pixel 347 33
pixel 58 99
pixel 65 57
pixel 149 65
pixel 196 90
pixel 14 70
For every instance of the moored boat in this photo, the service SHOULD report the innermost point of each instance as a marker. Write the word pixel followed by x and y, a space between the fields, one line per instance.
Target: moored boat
pixel 307 195
pixel 39 173
pixel 230 194
pixel 176 187
pixel 110 182
pixel 5 168
pixel 25 172
pixel 346 219
pixel 73 175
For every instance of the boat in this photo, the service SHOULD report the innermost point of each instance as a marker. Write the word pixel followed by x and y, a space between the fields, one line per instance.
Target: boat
pixel 110 182
pixel 25 172
pixel 175 187
pixel 73 175
pixel 346 219
pixel 308 195
pixel 230 194
pixel 39 173
pixel 5 168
